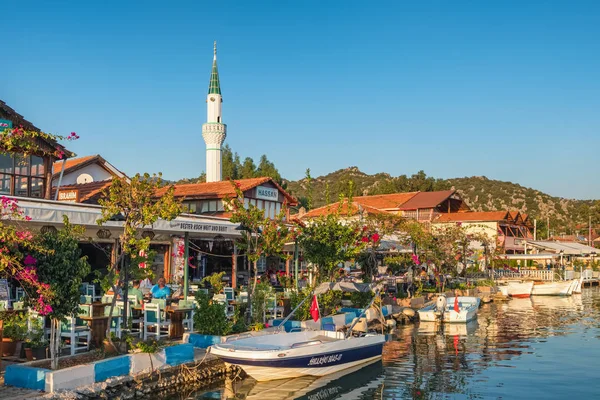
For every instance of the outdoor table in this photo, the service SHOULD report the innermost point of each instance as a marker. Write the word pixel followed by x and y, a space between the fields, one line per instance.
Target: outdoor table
pixel 98 325
pixel 176 315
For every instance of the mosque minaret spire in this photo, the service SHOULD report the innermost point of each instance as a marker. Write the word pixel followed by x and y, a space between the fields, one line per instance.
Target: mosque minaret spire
pixel 214 131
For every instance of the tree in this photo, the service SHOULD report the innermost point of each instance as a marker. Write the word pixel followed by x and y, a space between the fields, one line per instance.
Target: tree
pixel 267 168
pixel 328 241
pixel 139 204
pixel 64 269
pixel 261 236
pixel 248 169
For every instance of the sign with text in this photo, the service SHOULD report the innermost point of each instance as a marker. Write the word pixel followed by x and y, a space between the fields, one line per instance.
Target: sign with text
pixel 5 124
pixel 202 227
pixel 267 193
pixel 71 195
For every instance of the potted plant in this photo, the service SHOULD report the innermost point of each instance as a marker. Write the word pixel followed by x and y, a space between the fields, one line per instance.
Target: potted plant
pixel 36 345
pixel 14 332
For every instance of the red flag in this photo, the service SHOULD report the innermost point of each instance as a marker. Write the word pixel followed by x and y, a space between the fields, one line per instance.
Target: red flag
pixel 314 309
pixel 456 304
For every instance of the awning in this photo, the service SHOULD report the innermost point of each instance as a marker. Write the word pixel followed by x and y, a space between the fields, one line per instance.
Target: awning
pixel 52 212
pixel 345 287
pixel 568 248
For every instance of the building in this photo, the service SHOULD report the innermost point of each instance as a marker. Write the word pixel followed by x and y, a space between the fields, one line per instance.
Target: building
pixel 31 175
pixel 421 206
pixel 83 179
pixel 506 229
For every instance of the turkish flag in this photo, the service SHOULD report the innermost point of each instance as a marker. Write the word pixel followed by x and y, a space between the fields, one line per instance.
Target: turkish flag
pixel 314 309
pixel 456 303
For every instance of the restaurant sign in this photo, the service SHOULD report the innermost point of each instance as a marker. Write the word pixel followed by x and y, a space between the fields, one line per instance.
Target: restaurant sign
pixel 267 193
pixel 4 124
pixel 71 195
pixel 202 227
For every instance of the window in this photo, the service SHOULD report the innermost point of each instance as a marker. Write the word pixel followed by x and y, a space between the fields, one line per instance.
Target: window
pixel 22 175
pixel 261 204
pixel 246 203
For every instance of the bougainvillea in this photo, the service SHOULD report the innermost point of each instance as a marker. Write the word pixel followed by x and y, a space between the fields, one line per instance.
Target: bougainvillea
pixel 15 261
pixel 28 142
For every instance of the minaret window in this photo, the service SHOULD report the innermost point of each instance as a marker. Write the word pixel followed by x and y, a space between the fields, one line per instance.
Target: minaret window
pixel 219 119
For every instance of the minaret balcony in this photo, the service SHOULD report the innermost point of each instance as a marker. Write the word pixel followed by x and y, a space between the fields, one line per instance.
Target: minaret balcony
pixel 214 132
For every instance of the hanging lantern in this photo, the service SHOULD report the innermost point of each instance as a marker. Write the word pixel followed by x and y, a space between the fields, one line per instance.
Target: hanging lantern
pixel 103 234
pixel 148 234
pixel 48 229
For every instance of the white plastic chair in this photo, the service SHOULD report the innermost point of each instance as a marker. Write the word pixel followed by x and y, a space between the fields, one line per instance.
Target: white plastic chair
pixel 75 331
pixel 188 318
pixel 115 320
pixel 153 317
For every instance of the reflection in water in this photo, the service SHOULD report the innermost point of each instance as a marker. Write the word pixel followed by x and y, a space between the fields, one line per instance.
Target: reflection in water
pixel 525 348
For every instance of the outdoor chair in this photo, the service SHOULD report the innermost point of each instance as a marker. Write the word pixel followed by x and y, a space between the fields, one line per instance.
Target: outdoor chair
pixel 153 318
pixel 19 294
pixel 18 305
pixel 229 294
pixel 188 318
pixel 115 319
pixel 77 332
pixel 84 299
pixel 135 321
pixel 91 291
pixel 34 315
pixel 3 305
pixel 132 298
pixel 161 302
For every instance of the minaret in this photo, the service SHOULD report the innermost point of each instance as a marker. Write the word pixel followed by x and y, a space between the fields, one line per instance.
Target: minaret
pixel 214 131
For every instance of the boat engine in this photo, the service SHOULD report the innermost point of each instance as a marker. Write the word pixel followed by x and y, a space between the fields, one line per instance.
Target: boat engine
pixel 440 305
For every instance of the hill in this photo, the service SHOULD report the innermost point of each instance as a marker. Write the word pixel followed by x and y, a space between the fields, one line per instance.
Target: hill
pixel 480 193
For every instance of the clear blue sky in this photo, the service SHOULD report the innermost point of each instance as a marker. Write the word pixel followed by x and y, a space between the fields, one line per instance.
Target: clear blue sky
pixel 509 90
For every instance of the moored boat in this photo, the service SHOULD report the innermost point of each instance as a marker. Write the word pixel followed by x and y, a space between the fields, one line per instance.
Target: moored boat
pixel 290 355
pixel 518 289
pixel 557 288
pixel 451 310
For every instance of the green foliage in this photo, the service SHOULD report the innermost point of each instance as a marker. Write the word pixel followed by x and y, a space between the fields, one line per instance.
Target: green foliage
pixel 149 346
pixel 361 299
pixel 35 335
pixel 64 268
pixel 210 317
pixel 303 313
pixel 15 327
pixel 259 296
pixel 239 322
pixel 327 241
pixel 216 281
pixel 330 302
pixel 485 282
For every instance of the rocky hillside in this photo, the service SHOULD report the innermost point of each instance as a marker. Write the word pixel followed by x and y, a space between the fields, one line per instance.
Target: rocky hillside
pixel 480 193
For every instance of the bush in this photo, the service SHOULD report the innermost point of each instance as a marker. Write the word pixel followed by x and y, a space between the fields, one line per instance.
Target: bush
pixel 210 317
pixel 15 327
pixel 360 299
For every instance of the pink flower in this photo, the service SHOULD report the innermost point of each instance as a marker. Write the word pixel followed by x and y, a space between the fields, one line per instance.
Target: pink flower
pixel 415 259
pixel 29 260
pixel 375 237
pixel 365 239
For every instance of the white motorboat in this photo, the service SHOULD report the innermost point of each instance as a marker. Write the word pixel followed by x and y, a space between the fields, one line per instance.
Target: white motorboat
pixel 518 289
pixel 558 288
pixel 284 355
pixel 290 355
pixel 444 310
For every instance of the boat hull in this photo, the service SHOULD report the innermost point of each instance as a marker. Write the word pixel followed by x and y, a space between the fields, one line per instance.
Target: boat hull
pixel 561 288
pixel 520 290
pixel 467 311
pixel 292 362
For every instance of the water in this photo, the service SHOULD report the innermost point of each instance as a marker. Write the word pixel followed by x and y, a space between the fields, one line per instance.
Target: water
pixel 539 348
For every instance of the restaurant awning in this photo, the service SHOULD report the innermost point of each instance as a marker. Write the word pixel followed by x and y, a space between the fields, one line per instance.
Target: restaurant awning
pixel 568 248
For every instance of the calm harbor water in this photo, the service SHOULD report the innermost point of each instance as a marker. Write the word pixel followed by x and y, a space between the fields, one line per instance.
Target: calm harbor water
pixel 538 348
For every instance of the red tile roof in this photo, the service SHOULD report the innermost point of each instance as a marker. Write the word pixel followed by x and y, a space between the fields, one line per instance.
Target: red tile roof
pixel 426 200
pixel 343 209
pixel 474 216
pixel 71 163
pixel 222 189
pixel 385 201
pixel 88 192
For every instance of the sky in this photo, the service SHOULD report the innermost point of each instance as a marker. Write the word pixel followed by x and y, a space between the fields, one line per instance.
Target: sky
pixel 509 90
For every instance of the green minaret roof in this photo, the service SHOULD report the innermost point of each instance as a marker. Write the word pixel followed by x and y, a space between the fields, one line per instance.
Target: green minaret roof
pixel 214 87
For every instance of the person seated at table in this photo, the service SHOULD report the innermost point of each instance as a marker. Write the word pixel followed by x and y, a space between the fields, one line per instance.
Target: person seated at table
pixel 136 291
pixel 119 292
pixel 161 290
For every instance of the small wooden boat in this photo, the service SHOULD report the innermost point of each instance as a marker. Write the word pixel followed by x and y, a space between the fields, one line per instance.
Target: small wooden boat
pixel 443 310
pixel 558 288
pixel 518 289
